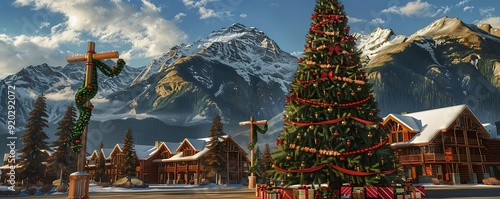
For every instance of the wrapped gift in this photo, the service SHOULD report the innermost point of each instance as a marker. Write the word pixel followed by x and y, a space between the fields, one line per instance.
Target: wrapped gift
pixel 400 191
pixel 285 193
pixel 404 196
pixel 420 189
pixel 358 194
pixel 260 189
pixel 371 192
pixel 345 190
pixel 273 195
pixel 304 192
pixel 415 195
pixel 386 192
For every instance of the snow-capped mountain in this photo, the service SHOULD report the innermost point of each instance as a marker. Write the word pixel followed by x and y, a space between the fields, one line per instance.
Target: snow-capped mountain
pixel 237 72
pixel 59 85
pixel 446 63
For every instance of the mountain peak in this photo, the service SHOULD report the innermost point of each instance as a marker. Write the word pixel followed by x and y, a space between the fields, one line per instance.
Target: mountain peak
pixel 443 26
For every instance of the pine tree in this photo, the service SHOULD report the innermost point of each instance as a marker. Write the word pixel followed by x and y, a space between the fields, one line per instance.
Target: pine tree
pixel 266 163
pixel 258 161
pixel 64 161
pixel 100 167
pixel 215 158
pixel 332 132
pixel 127 167
pixel 32 154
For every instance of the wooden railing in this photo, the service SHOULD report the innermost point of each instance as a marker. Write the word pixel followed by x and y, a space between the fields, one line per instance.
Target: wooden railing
pixel 410 158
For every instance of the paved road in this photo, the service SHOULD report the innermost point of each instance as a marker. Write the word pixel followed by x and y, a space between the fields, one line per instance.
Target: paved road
pixel 449 192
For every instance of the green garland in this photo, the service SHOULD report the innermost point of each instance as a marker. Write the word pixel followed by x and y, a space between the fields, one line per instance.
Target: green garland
pixel 86 93
pixel 254 135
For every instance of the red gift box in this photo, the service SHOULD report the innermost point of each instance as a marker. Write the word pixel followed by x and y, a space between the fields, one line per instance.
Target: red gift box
pixel 420 189
pixel 386 192
pixel 371 192
pixel 286 193
pixel 345 190
pixel 260 189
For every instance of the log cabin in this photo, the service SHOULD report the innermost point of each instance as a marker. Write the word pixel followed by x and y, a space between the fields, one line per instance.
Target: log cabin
pixel 448 143
pixel 174 163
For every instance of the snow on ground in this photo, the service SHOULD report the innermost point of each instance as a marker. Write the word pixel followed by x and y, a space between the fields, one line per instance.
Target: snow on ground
pixel 98 189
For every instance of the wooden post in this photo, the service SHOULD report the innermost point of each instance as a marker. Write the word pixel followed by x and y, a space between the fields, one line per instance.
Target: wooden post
pixel 79 181
pixel 252 122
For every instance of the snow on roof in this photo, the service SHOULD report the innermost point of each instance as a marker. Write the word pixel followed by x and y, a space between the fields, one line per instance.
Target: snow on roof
pixel 492 130
pixel 143 152
pixel 432 122
pixel 410 122
pixel 197 144
pixel 172 146
pixel 179 157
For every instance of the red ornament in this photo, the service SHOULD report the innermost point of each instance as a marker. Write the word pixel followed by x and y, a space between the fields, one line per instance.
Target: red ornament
pixel 90 87
pixel 341 158
pixel 370 154
pixel 348 143
pixel 300 59
pixel 336 134
pixel 77 101
pixel 320 156
pixel 113 69
pixel 338 92
pixel 77 141
pixel 278 142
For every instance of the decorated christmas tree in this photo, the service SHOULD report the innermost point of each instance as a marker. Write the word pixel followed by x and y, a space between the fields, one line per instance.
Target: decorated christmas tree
pixel 332 132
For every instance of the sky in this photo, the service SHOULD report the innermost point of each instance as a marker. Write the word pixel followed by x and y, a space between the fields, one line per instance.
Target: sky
pixel 33 32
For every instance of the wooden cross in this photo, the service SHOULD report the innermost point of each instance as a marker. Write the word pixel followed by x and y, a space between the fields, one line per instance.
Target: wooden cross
pixel 89 57
pixel 252 122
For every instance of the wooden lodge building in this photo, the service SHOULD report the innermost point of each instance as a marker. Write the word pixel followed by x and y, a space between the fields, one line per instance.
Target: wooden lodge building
pixel 174 163
pixel 446 143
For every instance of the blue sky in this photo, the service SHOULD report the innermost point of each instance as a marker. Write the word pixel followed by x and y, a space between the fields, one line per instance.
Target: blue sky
pixel 33 32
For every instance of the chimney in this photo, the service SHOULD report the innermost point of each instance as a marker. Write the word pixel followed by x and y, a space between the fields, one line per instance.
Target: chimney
pixel 157 144
pixel 404 113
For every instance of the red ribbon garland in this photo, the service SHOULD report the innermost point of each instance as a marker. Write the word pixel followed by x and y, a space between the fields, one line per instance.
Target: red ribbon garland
pixel 327 122
pixel 328 104
pixel 343 170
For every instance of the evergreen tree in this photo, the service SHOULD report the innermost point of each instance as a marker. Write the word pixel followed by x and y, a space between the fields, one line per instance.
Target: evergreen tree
pixel 267 161
pixel 127 167
pixel 34 143
pixel 215 158
pixel 332 132
pixel 64 161
pixel 100 167
pixel 258 161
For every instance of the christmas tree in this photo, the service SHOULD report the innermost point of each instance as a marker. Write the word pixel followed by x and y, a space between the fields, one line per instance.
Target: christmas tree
pixel 332 131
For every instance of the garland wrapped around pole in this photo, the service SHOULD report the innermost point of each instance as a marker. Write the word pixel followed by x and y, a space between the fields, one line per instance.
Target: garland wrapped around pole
pixel 84 95
pixel 255 129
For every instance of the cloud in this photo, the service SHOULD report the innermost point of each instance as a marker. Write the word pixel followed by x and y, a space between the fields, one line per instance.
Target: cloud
pixel 493 21
pixel 377 21
pixel 204 11
pixel 487 11
pixel 354 19
pixel 462 3
pixel 141 28
pixel 417 8
pixel 179 16
pixel 297 54
pixel 468 8
pixel 243 15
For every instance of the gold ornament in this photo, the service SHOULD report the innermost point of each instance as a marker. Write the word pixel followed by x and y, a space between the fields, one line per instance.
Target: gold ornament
pixel 359 88
pixel 370 134
pixel 330 109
